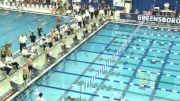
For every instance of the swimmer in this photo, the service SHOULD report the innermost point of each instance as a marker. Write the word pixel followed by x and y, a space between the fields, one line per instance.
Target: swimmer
pixel 44 23
pixel 19 14
pixel 10 26
pixel 37 91
pixel 5 12
pixel 30 30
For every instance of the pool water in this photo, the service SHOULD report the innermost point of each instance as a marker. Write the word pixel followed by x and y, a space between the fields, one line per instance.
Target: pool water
pixel 13 25
pixel 146 70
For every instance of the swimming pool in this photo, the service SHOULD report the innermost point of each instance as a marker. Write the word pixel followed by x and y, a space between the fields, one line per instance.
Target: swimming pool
pixel 147 70
pixel 13 25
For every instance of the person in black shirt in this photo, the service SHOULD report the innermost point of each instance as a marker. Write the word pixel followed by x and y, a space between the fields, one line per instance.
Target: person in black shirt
pixel 39 30
pixel 58 26
pixel 32 37
pixel 106 11
pixel 96 12
pixel 82 10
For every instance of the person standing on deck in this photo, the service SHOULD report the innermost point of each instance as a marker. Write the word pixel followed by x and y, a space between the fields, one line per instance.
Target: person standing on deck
pixel 91 10
pixel 79 20
pixel 25 73
pixel 22 40
pixel 3 53
pixel 39 30
pixel 32 38
pixel 47 52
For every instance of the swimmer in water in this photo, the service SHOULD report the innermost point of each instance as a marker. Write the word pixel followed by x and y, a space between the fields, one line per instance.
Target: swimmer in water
pixel 19 14
pixel 44 23
pixel 10 26
pixel 4 12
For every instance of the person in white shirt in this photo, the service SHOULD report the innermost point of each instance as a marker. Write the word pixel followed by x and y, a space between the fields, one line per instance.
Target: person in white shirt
pixel 41 42
pixel 84 19
pixel 25 52
pixel 67 29
pixel 10 62
pixel 33 50
pixel 91 10
pixel 40 97
pixel 79 20
pixel 4 67
pixel 78 8
pixel 48 41
pixel 87 13
pixel 22 40
pixel 166 6
pixel 101 12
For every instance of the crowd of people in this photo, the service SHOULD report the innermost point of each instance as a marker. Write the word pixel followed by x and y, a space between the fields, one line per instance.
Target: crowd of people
pixel 86 21
pixel 7 62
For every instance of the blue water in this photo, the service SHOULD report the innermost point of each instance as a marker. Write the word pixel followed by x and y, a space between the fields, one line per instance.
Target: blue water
pixel 12 26
pixel 151 52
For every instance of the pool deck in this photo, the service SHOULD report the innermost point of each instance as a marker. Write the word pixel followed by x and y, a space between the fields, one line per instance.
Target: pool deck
pixel 56 52
pixel 38 63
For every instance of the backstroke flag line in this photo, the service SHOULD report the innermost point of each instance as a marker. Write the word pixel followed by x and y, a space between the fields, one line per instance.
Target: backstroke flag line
pixel 111 59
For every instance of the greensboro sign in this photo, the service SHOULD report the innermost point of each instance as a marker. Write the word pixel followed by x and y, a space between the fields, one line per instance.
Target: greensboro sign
pixel 161 19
